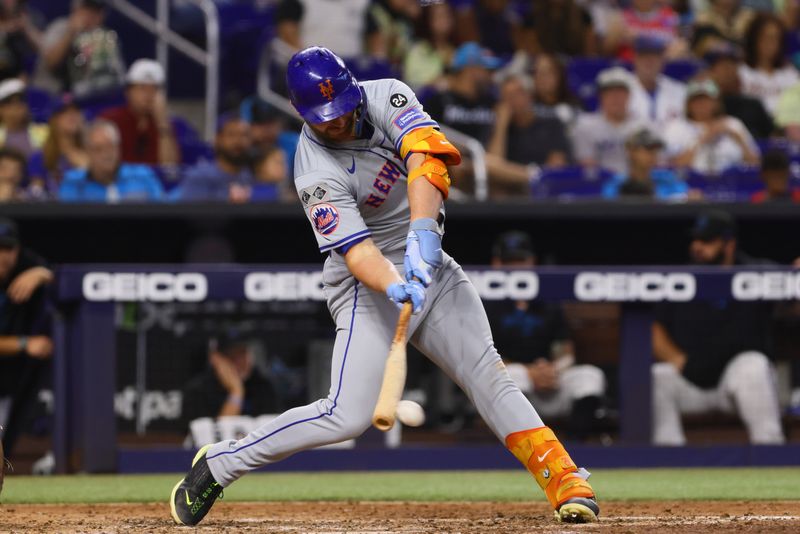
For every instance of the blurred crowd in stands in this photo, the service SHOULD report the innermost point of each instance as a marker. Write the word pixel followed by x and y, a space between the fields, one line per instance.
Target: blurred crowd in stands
pixel 675 100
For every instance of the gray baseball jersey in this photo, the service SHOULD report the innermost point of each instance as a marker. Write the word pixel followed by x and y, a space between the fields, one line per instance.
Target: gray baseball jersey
pixel 348 192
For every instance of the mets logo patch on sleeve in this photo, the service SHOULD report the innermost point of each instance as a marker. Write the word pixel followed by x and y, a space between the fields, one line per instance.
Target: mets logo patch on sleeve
pixel 325 218
pixel 407 117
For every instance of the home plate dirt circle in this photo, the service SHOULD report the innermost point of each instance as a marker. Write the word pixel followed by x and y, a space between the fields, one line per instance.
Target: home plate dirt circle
pixel 409 517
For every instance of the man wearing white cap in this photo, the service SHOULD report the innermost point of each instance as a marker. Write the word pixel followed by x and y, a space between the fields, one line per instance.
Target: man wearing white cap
pixel 17 131
pixel 600 137
pixel 144 124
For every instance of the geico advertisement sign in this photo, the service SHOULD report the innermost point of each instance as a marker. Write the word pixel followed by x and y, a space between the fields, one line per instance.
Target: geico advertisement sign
pixel 152 287
pixel 627 287
pixel 263 287
pixel 500 285
pixel 766 286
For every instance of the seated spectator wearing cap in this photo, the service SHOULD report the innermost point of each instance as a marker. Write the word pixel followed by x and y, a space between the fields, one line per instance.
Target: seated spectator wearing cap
pixel 712 356
pixel 24 323
pixel 651 18
pixel 21 39
pixel 643 177
pixel 562 28
pixel 468 103
pixel 268 130
pixel 143 122
pixel 707 140
pixel 522 137
pixel 723 69
pixel 80 55
pixel 654 96
pixel 107 178
pixel 432 48
pixel 232 384
pixel 17 131
pixel 12 175
pixel 228 177
pixel 534 342
pixel 766 73
pixel 776 173
pixel 599 138
pixel 63 150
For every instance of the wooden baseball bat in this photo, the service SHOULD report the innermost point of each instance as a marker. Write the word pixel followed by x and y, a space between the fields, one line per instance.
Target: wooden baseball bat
pixel 394 375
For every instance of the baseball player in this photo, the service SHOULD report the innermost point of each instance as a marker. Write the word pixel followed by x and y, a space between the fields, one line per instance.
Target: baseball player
pixel 371 174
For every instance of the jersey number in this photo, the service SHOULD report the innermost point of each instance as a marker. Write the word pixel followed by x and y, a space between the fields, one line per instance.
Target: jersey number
pixel 398 100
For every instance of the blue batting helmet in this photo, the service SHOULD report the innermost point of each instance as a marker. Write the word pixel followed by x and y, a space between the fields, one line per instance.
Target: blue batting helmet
pixel 321 87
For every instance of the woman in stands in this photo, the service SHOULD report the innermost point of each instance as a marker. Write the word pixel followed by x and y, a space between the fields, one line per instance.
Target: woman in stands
pixel 433 47
pixel 62 150
pixel 766 73
pixel 551 95
pixel 708 141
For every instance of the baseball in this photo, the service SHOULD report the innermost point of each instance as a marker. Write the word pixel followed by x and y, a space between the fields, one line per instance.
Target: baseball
pixel 410 413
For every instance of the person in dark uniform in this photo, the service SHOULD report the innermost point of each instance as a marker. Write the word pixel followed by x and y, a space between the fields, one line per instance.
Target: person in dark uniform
pixel 25 346
pixel 231 385
pixel 534 342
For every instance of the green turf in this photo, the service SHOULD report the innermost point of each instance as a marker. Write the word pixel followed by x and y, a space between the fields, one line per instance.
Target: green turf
pixel 628 484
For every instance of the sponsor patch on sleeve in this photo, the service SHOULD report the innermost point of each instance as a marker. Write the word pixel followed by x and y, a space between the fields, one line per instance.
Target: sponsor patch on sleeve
pixel 325 218
pixel 315 194
pixel 407 117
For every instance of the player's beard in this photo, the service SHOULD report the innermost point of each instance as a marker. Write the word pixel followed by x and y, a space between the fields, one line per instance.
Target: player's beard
pixel 718 259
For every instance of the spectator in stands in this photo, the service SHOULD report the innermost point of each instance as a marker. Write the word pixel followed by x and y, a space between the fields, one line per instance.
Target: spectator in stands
pixel 787 113
pixel 268 129
pixel 231 384
pixel 563 28
pixel 644 178
pixel 723 21
pixel 654 96
pixel 776 174
pixel 12 175
pixel 17 131
pixel 271 177
pixel 80 55
pixel 433 48
pixel 650 18
pixel 534 342
pixel 107 178
pixel 551 95
pixel 25 346
pixel 20 39
pixel 766 73
pixel 390 29
pixel 143 122
pixel 712 356
pixel 468 104
pixel 63 149
pixel 599 138
pixel 492 23
pixel 707 140
pixel 723 70
pixel 228 177
pixel 522 137
pixel 303 23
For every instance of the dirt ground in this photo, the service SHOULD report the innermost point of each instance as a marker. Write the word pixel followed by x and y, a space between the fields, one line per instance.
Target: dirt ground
pixel 379 518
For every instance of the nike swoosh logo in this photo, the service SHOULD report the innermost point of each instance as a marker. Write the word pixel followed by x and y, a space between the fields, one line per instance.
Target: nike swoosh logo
pixel 542 457
pixel 352 169
pixel 186 493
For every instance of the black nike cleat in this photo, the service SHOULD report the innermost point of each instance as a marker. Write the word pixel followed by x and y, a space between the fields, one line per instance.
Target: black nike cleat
pixel 578 510
pixel 194 495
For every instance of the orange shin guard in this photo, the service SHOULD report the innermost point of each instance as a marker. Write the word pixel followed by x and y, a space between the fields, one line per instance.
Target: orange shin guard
pixel 545 457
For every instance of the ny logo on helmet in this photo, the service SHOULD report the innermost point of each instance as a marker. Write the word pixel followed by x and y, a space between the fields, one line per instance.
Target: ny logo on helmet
pixel 326 89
